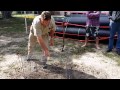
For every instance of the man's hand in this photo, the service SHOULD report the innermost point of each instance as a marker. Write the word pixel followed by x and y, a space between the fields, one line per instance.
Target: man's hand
pixel 51 42
pixel 43 45
pixel 52 31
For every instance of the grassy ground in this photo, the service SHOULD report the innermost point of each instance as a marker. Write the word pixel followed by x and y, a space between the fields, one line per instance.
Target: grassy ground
pixel 14 28
pixel 13 25
pixel 113 56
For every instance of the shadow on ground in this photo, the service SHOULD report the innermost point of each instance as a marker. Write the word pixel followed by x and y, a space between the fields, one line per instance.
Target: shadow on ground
pixel 66 73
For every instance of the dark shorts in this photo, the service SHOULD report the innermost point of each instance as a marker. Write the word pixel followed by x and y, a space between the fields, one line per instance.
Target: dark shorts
pixel 92 31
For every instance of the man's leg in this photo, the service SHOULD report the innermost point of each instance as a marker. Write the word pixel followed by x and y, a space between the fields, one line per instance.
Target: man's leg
pixel 87 36
pixel 96 37
pixel 97 43
pixel 113 29
pixel 86 41
pixel 45 58
pixel 118 40
pixel 31 44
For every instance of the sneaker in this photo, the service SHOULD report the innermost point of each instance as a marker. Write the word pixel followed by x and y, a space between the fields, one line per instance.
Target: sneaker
pixel 97 47
pixel 45 66
pixel 84 45
pixel 118 51
pixel 108 50
pixel 44 61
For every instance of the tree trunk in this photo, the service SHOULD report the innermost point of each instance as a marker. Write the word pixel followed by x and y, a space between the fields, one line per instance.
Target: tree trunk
pixel 6 14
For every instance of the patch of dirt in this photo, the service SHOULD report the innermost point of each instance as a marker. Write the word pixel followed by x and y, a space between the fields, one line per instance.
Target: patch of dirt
pixel 98 65
pixel 74 63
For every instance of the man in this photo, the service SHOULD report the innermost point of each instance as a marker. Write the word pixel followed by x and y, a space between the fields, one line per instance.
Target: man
pixel 110 14
pixel 41 26
pixel 114 28
pixel 92 27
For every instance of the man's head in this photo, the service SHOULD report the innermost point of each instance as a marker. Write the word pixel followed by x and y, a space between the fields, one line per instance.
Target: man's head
pixel 45 18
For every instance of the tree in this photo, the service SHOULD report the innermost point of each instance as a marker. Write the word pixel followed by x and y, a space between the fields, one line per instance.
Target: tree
pixel 6 14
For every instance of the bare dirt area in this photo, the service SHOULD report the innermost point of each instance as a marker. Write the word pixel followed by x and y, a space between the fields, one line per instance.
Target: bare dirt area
pixel 74 63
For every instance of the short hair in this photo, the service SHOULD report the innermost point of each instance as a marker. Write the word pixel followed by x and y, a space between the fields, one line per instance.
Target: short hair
pixel 46 15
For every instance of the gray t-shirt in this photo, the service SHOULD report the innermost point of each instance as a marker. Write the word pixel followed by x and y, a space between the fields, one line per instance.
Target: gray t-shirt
pixel 39 29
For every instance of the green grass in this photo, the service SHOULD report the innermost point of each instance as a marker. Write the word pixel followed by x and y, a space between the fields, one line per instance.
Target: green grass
pixel 1 57
pixel 28 16
pixel 20 51
pixel 76 48
pixel 12 26
pixel 113 56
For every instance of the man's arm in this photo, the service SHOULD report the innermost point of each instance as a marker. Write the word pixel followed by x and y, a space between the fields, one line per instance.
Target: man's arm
pixel 52 31
pixel 38 34
pixel 110 15
pixel 53 27
pixel 42 44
